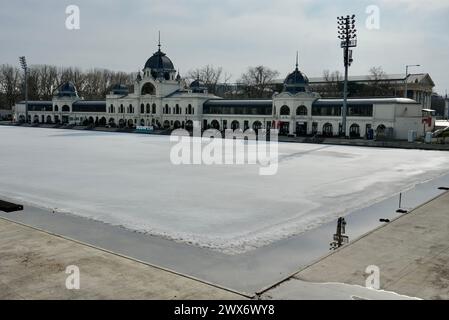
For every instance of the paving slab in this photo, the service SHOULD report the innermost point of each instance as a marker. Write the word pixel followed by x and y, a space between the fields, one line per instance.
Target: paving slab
pixel 33 266
pixel 412 253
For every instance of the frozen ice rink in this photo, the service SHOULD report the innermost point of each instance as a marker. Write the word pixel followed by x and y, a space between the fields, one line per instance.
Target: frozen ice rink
pixel 128 180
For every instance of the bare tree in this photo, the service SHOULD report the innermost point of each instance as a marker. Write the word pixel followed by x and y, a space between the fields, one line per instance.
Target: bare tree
pixel 380 86
pixel 208 74
pixel 257 81
pixel 331 85
pixel 10 85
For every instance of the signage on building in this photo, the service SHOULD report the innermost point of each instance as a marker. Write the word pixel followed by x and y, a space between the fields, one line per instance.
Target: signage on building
pixel 144 129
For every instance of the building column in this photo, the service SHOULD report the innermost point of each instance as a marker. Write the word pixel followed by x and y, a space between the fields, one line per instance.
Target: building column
pixel 446 108
pixel 292 127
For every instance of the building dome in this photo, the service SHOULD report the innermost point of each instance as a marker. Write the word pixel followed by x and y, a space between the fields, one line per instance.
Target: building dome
pixel 198 86
pixel 66 89
pixel 296 82
pixel 159 61
pixel 296 78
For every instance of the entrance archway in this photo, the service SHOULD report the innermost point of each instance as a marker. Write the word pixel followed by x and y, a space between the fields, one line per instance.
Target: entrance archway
pixel 354 131
pixel 284 128
pixel 215 124
pixel 301 128
pixel 257 125
pixel 381 130
pixel 328 130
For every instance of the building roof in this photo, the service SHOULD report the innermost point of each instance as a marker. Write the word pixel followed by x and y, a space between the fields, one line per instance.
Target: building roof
pixel 412 78
pixel 37 102
pixel 67 89
pixel 89 103
pixel 159 61
pixel 366 101
pixel 120 89
pixel 225 102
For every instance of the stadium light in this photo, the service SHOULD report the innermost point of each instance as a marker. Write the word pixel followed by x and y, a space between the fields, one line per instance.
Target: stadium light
pixel 23 64
pixel 347 33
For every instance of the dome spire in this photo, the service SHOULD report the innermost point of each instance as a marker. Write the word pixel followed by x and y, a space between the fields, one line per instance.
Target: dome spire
pixel 297 60
pixel 159 41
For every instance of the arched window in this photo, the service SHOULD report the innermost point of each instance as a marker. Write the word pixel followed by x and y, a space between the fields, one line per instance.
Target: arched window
pixel 65 108
pixel 235 125
pixel 148 108
pixel 121 109
pixel 130 109
pixel 177 110
pixel 301 111
pixel 154 108
pixel 56 108
pixel 285 111
pixel 189 109
pixel 142 108
pixel 148 88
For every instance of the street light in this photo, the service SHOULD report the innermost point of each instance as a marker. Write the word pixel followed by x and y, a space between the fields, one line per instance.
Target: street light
pixel 406 77
pixel 23 64
pixel 347 33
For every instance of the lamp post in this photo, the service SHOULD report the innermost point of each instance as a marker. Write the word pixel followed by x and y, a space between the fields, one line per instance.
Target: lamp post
pixel 406 77
pixel 23 64
pixel 347 33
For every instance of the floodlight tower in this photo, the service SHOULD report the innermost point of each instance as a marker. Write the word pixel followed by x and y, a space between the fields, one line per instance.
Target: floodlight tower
pixel 347 33
pixel 23 64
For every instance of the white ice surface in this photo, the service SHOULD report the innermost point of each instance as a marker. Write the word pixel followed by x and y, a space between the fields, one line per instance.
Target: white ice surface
pixel 128 180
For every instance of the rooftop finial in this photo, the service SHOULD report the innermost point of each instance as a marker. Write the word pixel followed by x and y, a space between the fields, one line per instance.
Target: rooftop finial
pixel 159 41
pixel 297 59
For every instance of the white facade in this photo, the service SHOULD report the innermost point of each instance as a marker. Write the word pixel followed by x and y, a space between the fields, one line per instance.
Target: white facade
pixel 161 98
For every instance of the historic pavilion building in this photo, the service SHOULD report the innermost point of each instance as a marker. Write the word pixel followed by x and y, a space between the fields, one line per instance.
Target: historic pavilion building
pixel 160 98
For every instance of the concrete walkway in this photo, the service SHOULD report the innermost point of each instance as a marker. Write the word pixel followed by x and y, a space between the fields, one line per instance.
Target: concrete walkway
pixel 33 265
pixel 412 253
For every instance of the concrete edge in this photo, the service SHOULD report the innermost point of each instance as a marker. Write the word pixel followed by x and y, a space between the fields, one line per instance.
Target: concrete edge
pixel 243 294
pixel 264 290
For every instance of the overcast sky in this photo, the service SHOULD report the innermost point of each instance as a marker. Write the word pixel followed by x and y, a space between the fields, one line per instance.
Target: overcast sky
pixel 233 34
